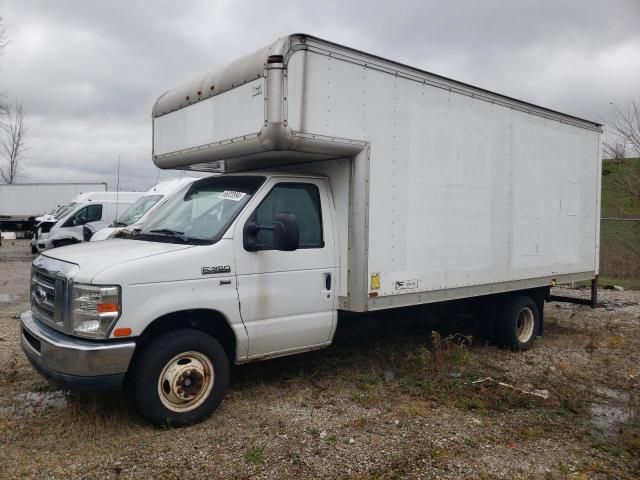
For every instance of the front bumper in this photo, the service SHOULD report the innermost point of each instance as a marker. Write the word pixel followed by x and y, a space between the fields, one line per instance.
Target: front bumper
pixel 74 363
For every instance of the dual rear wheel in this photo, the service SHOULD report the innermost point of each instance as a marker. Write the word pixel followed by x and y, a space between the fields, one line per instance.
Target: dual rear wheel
pixel 517 323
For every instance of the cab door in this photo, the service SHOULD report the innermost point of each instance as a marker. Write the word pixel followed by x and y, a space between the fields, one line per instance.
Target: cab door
pixel 287 298
pixel 87 214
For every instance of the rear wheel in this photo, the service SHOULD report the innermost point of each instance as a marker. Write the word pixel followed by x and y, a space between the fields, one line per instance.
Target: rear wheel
pixel 179 378
pixel 518 323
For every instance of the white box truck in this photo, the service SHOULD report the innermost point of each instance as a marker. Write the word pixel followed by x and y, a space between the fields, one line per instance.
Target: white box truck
pixel 349 183
pixel 20 203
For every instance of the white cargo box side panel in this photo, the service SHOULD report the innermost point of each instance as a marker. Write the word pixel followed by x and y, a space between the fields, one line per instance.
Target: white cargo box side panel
pixel 462 192
pixel 24 200
pixel 232 114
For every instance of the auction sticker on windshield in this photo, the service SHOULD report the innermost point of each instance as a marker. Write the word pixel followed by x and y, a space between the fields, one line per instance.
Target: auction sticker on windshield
pixel 233 195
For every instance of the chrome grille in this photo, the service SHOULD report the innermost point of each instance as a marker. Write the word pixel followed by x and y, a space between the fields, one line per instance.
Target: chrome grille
pixel 43 296
pixel 51 280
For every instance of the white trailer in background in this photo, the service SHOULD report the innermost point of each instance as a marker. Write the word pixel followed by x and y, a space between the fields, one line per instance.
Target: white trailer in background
pixel 349 183
pixel 20 203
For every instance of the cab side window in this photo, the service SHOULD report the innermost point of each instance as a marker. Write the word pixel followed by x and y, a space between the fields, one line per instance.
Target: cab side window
pixel 301 199
pixel 90 213
pixel 94 213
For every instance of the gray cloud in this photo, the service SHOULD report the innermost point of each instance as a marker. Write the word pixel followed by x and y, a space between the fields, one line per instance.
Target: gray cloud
pixel 89 72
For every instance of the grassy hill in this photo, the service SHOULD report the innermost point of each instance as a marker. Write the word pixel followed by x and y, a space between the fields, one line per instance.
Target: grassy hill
pixel 617 203
pixel 620 240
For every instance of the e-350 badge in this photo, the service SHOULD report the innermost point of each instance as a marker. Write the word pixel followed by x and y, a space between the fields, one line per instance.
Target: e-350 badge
pixel 216 269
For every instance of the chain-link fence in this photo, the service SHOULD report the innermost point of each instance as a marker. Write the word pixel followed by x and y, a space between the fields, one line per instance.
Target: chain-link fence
pixel 620 248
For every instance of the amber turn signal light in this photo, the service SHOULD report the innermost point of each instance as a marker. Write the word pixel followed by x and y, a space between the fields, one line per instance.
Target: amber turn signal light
pixel 122 332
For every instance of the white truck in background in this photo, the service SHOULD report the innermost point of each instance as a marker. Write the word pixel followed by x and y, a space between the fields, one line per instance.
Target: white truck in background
pixel 142 208
pixel 81 218
pixel 350 183
pixel 21 203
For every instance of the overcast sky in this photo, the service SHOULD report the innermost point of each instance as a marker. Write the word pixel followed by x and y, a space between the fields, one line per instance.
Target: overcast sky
pixel 88 72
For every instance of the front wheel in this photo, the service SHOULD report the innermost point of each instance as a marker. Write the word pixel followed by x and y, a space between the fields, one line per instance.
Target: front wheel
pixel 179 378
pixel 518 323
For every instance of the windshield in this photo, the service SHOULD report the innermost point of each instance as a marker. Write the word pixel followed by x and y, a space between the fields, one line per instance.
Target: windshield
pixel 137 210
pixel 62 210
pixel 203 212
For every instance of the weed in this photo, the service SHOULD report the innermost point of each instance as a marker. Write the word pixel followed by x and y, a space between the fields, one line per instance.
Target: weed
pixel 615 342
pixel 450 351
pixel 529 433
pixel 255 456
pixel 365 400
pixel 472 403
pixel 426 386
pixel 368 381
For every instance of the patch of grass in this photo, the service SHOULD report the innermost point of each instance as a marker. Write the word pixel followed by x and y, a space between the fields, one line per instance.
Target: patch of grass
pixel 368 381
pixel 472 403
pixel 626 283
pixel 425 386
pixel 529 433
pixel 366 400
pixel 615 342
pixel 255 456
pixel 632 443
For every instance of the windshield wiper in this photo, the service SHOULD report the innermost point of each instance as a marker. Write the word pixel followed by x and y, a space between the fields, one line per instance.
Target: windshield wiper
pixel 171 233
pixel 119 224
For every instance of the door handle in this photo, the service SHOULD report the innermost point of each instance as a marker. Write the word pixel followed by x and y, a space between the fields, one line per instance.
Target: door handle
pixel 327 282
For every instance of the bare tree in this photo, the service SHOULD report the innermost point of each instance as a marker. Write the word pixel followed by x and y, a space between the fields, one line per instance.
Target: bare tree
pixel 3 36
pixel 3 44
pixel 625 143
pixel 12 144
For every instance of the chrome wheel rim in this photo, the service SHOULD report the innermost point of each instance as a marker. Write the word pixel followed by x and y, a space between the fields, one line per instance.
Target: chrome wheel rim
pixel 186 381
pixel 524 325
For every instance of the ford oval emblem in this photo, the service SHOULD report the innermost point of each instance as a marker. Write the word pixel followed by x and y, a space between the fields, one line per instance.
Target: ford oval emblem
pixel 40 295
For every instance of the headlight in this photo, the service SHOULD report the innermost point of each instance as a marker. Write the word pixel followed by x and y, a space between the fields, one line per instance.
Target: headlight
pixel 95 310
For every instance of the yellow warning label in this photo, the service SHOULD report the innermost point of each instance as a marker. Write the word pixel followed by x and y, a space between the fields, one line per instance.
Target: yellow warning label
pixel 375 282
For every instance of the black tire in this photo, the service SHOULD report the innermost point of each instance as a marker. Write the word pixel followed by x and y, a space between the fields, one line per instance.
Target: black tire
pixel 158 356
pixel 34 250
pixel 518 323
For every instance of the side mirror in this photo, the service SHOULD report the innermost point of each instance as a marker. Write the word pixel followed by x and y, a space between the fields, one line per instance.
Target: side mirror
pixel 286 232
pixel 249 240
pixel 87 232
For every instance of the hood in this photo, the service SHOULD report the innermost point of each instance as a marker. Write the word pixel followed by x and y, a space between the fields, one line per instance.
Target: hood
pixel 93 257
pixel 103 234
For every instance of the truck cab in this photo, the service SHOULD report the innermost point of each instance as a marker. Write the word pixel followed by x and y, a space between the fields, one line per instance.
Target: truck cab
pixel 252 256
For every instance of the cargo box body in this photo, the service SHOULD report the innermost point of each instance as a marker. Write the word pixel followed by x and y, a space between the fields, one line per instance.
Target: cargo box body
pixel 24 200
pixel 442 190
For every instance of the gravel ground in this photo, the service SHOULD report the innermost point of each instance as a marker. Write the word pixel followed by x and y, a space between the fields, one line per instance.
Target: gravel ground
pixel 380 403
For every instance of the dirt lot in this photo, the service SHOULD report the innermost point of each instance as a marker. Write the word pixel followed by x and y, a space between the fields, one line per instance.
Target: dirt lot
pixel 380 403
